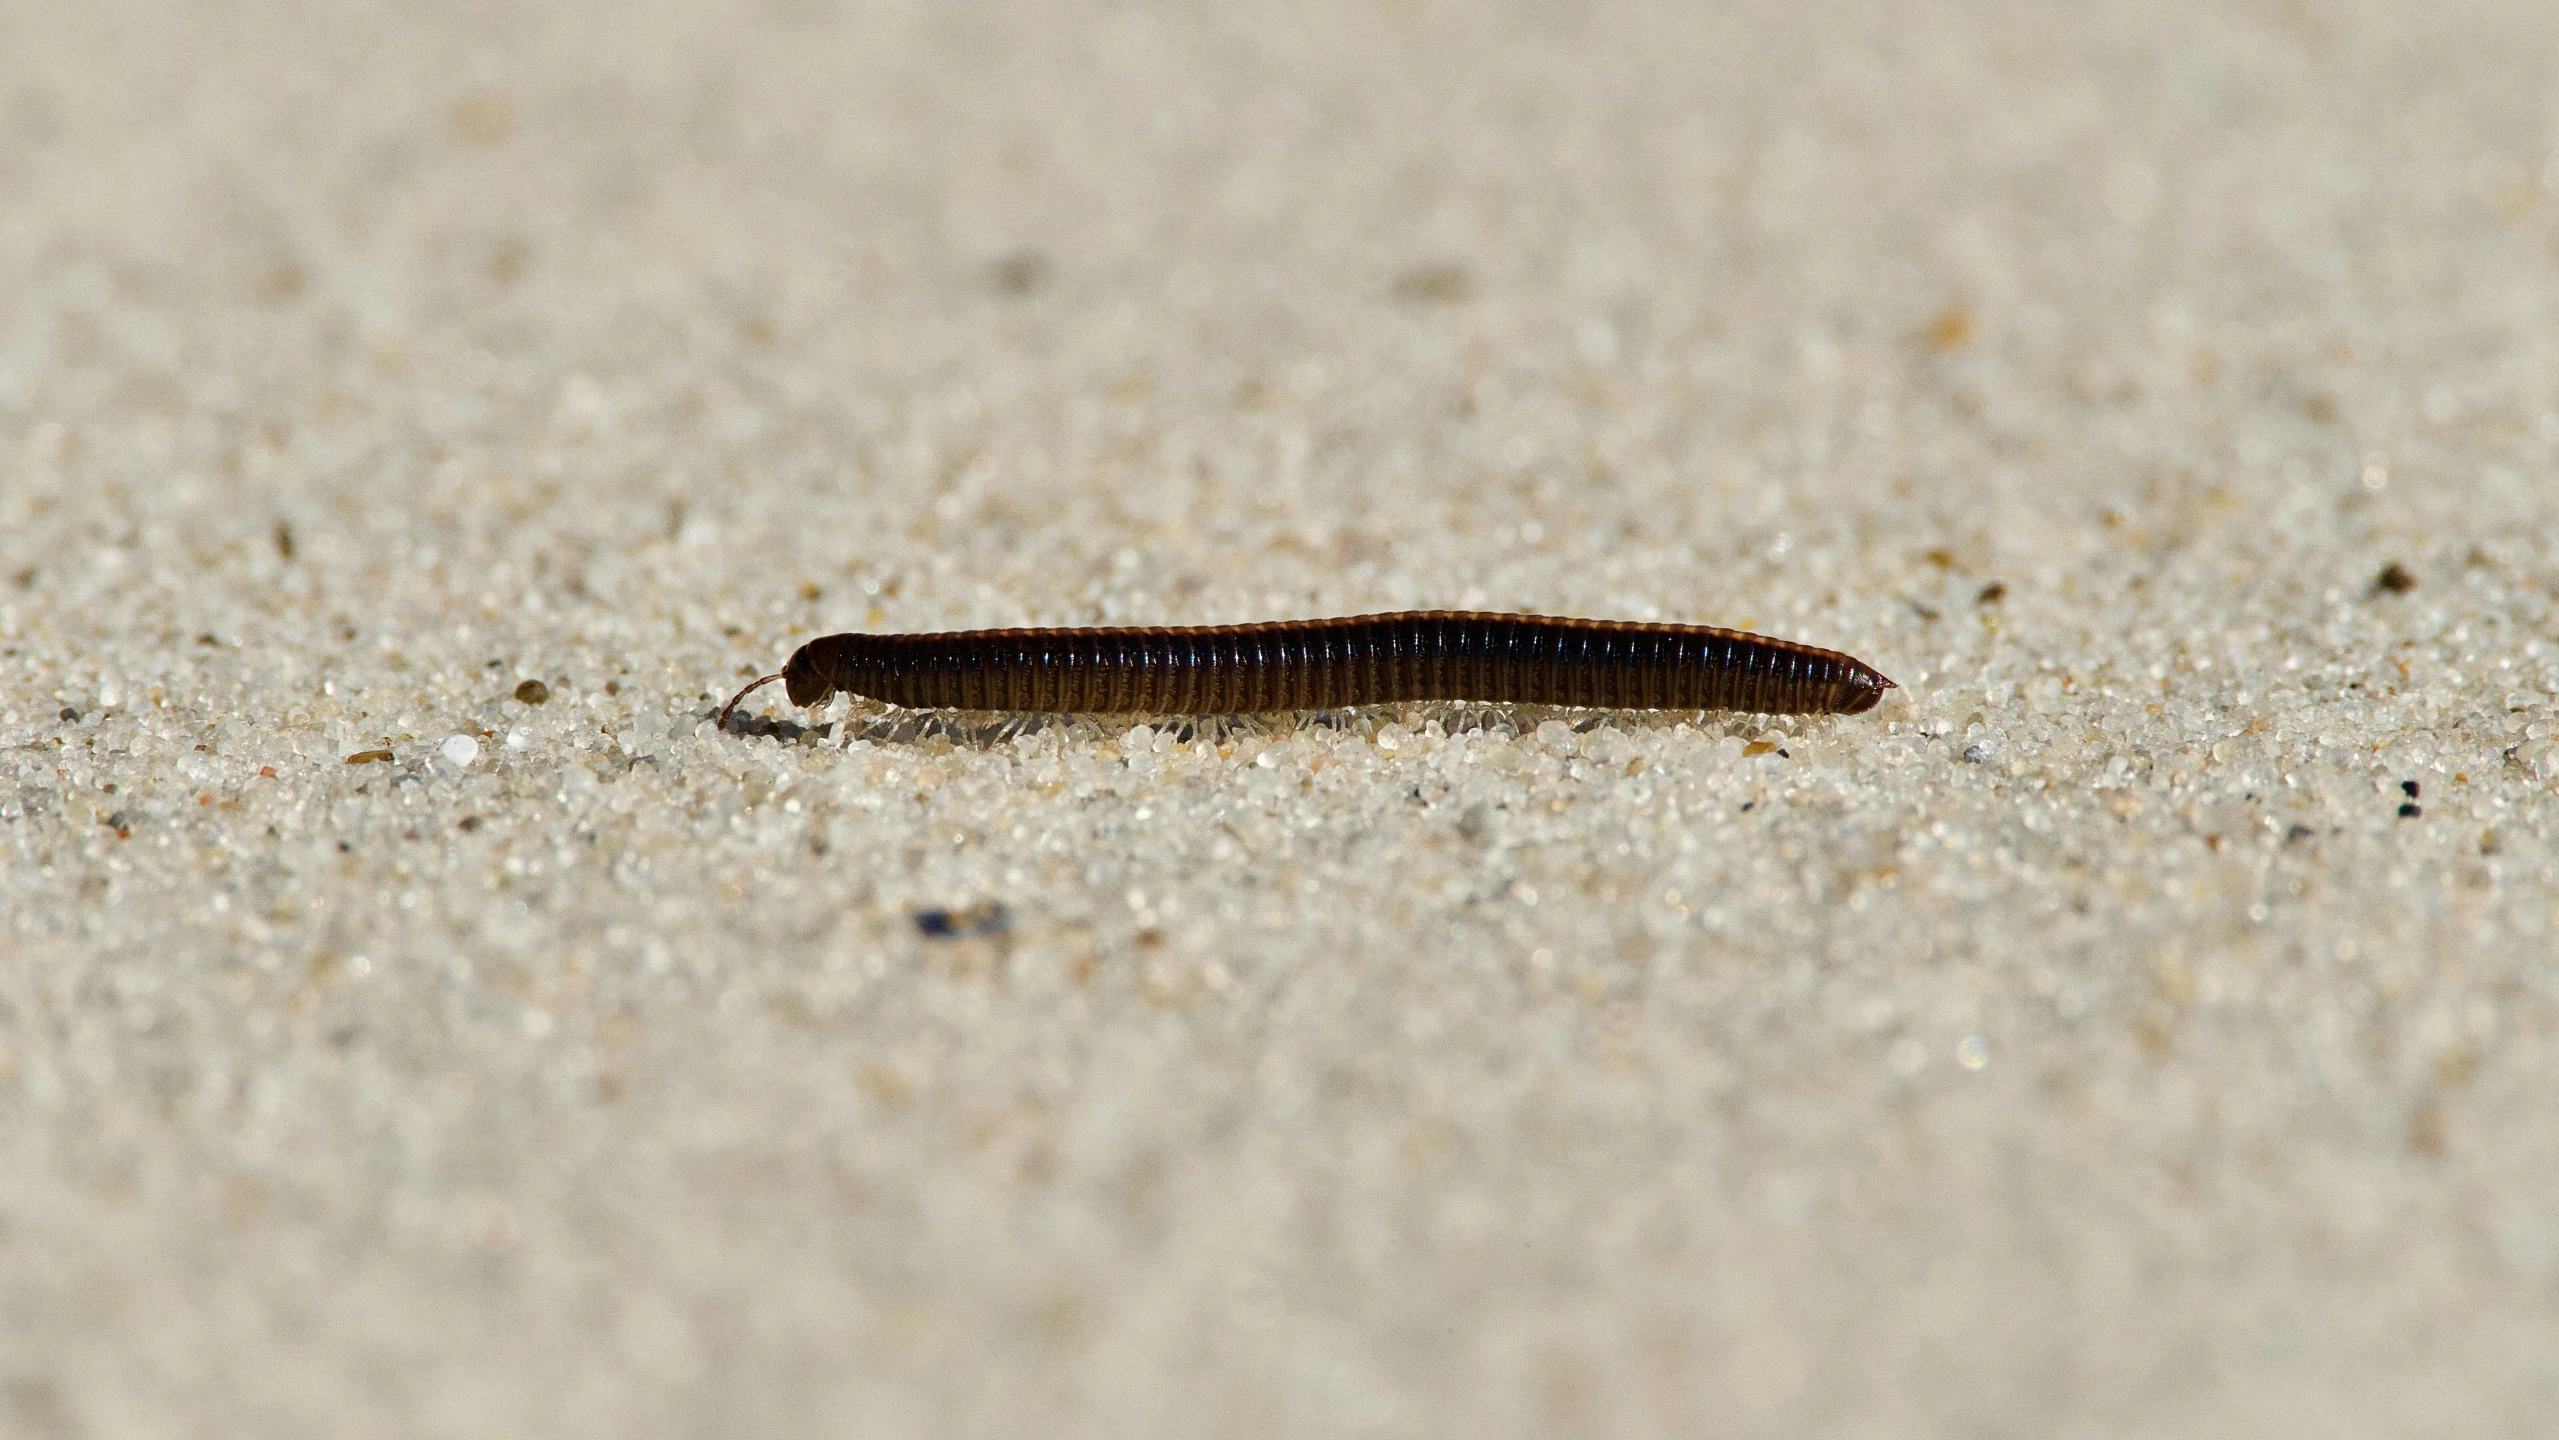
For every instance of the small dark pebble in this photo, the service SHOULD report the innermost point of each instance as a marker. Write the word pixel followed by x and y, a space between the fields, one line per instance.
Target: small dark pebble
pixel 1433 285
pixel 1748 806
pixel 70 714
pixel 369 757
pixel 1992 593
pixel 1785 755
pixel 1975 755
pixel 469 823
pixel 117 821
pixel 983 919
pixel 2411 812
pixel 532 692
pixel 2298 832
pixel 1019 273
pixel 2408 788
pixel 2395 578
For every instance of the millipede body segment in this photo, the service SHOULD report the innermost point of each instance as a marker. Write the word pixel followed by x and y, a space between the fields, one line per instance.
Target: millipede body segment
pixel 1330 664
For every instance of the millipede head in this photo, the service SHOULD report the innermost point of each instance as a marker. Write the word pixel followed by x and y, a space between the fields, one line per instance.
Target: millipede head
pixel 804 679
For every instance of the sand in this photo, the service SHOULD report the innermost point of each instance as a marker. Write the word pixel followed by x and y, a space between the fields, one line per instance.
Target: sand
pixel 2146 1023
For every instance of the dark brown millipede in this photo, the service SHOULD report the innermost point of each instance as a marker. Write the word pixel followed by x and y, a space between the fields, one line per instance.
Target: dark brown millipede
pixel 1331 664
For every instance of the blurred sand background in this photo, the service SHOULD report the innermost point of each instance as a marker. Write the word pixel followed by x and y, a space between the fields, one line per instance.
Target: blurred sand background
pixel 2098 1040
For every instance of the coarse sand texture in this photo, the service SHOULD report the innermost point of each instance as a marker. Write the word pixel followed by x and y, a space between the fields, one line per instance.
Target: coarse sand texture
pixel 416 1018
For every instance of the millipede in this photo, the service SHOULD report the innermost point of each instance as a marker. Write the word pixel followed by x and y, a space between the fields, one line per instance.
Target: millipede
pixel 1333 664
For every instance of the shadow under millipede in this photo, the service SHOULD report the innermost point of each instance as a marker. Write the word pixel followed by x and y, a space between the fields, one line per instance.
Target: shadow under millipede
pixel 991 730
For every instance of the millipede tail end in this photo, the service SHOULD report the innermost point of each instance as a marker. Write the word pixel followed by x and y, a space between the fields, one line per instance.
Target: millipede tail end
pixel 1866 691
